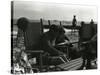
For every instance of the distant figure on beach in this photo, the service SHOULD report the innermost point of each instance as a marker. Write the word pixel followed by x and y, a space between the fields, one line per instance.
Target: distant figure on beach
pixel 88 43
pixel 92 22
pixel 74 23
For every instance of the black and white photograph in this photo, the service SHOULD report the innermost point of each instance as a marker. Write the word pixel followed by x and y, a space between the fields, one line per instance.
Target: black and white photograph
pixel 53 37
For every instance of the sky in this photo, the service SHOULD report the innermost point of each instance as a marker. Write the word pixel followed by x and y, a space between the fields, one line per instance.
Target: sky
pixel 52 11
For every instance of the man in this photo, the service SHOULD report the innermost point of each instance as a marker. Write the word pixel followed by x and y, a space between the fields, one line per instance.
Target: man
pixel 74 23
pixel 62 38
pixel 87 42
pixel 48 42
pixel 63 42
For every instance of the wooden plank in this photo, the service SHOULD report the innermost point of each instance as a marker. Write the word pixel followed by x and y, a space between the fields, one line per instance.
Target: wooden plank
pixel 71 64
pixel 75 66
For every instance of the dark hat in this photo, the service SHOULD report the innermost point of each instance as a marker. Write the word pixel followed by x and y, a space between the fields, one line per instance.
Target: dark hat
pixel 54 28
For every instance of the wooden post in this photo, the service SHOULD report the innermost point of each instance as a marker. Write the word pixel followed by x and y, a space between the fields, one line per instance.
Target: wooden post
pixel 41 64
pixel 12 34
pixel 60 23
pixel 41 26
pixel 49 23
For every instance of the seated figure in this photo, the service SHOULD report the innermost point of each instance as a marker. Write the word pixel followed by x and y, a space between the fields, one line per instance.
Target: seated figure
pixel 49 41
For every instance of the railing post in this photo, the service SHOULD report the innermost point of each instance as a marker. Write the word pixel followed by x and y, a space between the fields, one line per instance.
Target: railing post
pixel 60 23
pixel 41 26
pixel 49 23
pixel 12 35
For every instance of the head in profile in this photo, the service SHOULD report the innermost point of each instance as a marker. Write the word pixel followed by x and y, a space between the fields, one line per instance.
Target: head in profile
pixel 54 30
pixel 61 30
pixel 22 23
pixel 74 16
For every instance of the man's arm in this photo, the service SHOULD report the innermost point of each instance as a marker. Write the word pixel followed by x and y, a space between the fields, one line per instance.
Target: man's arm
pixel 52 49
